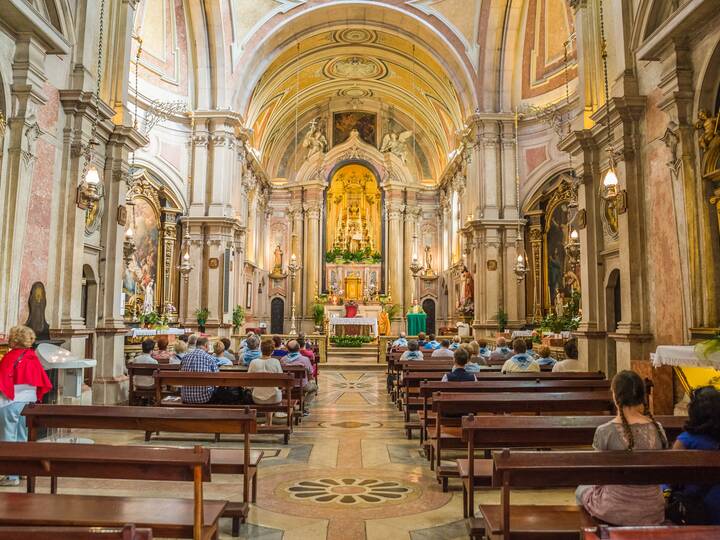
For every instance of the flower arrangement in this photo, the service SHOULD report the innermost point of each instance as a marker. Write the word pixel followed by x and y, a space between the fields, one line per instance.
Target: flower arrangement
pixel 340 256
pixel 350 341
pixel 238 317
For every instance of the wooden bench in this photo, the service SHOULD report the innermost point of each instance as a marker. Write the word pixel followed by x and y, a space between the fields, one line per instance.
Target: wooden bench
pixel 492 432
pixel 450 407
pixel 136 396
pixel 166 419
pixel 232 379
pixel 536 470
pixel 167 517
pixel 674 532
pixel 428 388
pixel 128 532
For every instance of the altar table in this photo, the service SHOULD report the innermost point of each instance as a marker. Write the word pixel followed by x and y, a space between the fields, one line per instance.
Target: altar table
pixel 416 323
pixel 354 321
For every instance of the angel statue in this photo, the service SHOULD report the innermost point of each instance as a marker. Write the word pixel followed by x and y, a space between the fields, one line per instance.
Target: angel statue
pixel 314 140
pixel 396 143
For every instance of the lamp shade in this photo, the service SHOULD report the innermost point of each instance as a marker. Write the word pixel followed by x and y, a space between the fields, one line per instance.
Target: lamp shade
pixel 91 176
pixel 611 179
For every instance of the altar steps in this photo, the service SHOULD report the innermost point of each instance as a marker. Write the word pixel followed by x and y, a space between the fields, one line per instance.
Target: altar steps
pixel 365 357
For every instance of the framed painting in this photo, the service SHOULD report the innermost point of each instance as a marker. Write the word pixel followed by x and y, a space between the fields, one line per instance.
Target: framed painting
pixel 345 122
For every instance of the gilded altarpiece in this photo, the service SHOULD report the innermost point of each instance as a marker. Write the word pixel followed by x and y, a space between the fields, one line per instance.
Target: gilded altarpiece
pixel 151 224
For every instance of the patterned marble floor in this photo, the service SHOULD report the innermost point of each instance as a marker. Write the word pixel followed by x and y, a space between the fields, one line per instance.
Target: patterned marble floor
pixel 348 473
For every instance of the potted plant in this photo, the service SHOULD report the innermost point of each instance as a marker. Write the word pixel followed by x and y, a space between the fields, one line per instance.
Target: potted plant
pixel 149 319
pixel 318 314
pixel 502 320
pixel 202 314
pixel 238 318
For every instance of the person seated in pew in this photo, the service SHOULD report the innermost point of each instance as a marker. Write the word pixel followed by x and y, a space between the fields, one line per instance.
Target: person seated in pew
pixel 22 380
pixel 458 373
pixel 421 339
pixel 307 352
pixel 145 382
pixel 192 340
pixel 471 366
pixel 413 351
pixel 455 343
pixel 529 348
pixel 571 362
pixel 702 432
pixel 502 352
pixel 294 358
pixel 181 349
pixel 520 361
pixel 633 428
pixel 401 342
pixel 252 350
pixel 162 354
pixel 219 354
pixel 198 360
pixel 266 364
pixel 280 350
pixel 431 343
pixel 229 354
pixel 544 358
pixel 444 350
pixel 484 350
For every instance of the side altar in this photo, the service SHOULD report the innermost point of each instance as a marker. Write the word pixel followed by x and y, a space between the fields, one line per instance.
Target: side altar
pixel 353 281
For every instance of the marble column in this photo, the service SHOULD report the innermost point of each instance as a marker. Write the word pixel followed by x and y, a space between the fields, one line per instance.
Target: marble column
pixel 311 254
pixel 110 383
pixel 199 145
pixel 395 258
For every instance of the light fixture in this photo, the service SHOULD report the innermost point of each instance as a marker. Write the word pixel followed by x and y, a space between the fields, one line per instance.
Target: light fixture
pixel 88 193
pixel 614 197
pixel 293 268
pixel 185 266
pixel 572 248
pixel 521 264
pixel 574 235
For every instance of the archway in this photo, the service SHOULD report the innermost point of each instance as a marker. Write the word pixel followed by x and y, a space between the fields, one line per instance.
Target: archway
pixel 277 315
pixel 613 316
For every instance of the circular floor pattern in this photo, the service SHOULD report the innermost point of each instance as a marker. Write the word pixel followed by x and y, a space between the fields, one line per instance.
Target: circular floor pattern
pixel 350 424
pixel 363 492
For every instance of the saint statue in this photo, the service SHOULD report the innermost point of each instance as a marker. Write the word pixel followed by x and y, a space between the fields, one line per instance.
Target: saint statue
pixel 149 301
pixel 708 124
pixel 396 143
pixel 559 304
pixel 428 261
pixel 314 140
pixel 277 260
pixel 36 311
pixel 468 286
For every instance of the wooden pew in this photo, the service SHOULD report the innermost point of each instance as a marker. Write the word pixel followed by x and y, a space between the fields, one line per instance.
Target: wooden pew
pixel 450 407
pixel 673 532
pixel 173 420
pixel 128 532
pixel 232 379
pixel 428 388
pixel 167 517
pixel 491 432
pixel 536 470
pixel 135 396
pixel 412 379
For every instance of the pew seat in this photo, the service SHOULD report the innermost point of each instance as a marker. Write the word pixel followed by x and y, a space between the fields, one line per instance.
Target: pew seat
pixel 172 518
pixel 674 532
pixel 533 522
pixel 128 532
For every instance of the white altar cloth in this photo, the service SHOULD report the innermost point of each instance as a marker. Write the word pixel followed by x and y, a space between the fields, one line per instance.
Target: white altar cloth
pixel 355 321
pixel 682 355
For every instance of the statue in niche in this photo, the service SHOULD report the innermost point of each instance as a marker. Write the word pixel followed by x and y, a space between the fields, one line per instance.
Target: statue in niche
pixel 277 260
pixel 149 300
pixel 428 262
pixel 396 143
pixel 708 125
pixel 468 286
pixel 559 303
pixel 314 140
pixel 37 301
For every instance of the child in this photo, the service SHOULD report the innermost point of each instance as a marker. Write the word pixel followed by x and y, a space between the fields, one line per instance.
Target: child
pixel 633 427
pixel 521 361
pixel 458 373
pixel 544 357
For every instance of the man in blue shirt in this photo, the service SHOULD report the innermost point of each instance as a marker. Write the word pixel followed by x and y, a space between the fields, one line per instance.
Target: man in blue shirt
pixel 458 373
pixel 401 342
pixel 432 343
pixel 198 360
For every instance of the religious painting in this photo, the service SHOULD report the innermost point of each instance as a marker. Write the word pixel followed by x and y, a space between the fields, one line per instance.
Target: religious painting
pixel 141 272
pixel 558 268
pixel 354 218
pixel 365 123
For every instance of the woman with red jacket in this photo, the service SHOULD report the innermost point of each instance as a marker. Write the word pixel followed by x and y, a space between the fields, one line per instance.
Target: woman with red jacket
pixel 22 380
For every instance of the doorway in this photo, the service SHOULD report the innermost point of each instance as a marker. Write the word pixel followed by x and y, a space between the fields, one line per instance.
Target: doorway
pixel 428 306
pixel 613 316
pixel 277 316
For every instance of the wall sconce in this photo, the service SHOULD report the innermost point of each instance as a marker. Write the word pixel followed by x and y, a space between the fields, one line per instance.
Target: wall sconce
pixel 186 266
pixel 521 267
pixel 572 248
pixel 128 246
pixel 615 197
pixel 87 192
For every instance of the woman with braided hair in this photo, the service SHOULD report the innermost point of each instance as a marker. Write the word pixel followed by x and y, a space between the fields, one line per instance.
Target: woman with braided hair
pixel 632 428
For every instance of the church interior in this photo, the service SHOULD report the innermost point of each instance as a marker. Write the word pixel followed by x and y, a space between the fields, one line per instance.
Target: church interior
pixel 436 269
